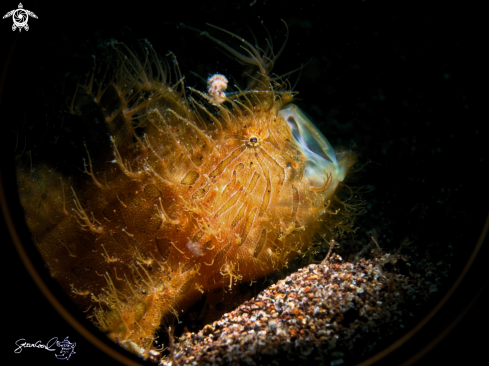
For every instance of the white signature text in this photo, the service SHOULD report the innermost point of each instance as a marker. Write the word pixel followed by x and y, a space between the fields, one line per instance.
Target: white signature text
pixel 21 343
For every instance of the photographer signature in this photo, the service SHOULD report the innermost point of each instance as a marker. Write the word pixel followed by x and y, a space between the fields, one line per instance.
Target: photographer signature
pixel 65 349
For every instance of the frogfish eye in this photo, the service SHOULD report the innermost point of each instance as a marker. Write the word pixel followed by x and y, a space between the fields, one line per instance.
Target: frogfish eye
pixel 314 145
pixel 253 141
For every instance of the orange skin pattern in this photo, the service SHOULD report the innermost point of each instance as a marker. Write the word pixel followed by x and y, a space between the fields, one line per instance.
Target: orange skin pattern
pixel 194 196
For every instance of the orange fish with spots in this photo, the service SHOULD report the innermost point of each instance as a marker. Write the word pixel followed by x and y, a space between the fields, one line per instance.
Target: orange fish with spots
pixel 185 194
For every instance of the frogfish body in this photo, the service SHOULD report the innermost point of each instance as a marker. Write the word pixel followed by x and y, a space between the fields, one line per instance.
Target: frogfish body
pixel 185 195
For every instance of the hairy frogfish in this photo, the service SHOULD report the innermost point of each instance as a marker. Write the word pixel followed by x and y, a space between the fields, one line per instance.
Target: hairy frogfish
pixel 184 191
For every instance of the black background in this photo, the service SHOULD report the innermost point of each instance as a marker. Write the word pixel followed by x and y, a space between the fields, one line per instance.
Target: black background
pixel 402 83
